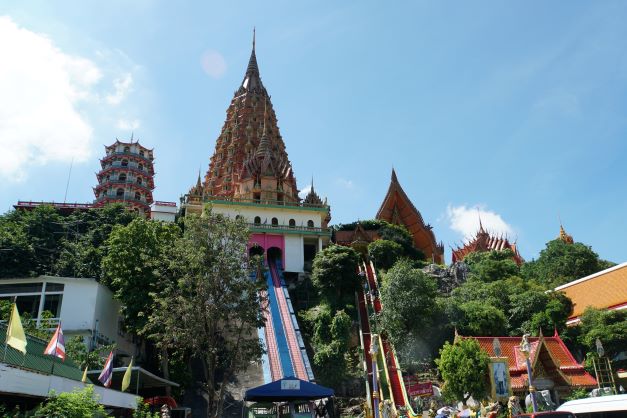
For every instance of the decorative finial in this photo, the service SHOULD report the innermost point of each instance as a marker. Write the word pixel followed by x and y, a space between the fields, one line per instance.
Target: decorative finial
pixel 253 39
pixel 480 224
pixel 132 133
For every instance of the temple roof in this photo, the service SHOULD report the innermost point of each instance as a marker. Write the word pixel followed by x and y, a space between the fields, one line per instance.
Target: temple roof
pixel 250 143
pixel 606 289
pixel 483 241
pixel 312 197
pixel 398 209
pixel 548 355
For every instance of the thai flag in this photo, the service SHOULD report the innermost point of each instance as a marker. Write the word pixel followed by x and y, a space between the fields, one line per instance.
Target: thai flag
pixel 107 371
pixel 56 346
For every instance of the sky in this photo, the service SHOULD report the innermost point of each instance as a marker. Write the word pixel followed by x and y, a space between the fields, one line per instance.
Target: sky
pixel 514 112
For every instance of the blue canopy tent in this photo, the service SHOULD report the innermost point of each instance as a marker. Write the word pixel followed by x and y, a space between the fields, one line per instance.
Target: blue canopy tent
pixel 287 389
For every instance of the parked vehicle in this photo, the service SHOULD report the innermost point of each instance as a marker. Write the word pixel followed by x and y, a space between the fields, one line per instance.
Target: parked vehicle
pixel 614 406
pixel 548 414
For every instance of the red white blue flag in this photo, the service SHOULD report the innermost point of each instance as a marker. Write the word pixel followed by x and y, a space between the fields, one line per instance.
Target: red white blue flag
pixel 107 371
pixel 56 346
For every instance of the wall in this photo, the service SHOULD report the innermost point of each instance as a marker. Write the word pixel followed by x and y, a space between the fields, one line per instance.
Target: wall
pixel 294 255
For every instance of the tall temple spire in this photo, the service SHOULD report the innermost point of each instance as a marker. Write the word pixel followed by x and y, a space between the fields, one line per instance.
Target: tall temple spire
pixel 252 79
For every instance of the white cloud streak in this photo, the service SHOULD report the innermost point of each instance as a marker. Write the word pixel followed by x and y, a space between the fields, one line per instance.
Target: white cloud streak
pixel 122 86
pixel 465 221
pixel 128 124
pixel 40 87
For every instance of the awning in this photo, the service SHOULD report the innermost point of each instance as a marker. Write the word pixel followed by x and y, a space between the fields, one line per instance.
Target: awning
pixel 287 389
pixel 147 380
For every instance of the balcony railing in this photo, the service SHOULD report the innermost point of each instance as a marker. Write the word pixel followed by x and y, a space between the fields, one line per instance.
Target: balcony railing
pixel 127 154
pixel 136 170
pixel 226 199
pixel 127 198
pixel 124 182
pixel 305 229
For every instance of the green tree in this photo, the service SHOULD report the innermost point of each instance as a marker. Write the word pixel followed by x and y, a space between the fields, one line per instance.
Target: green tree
pixel 478 319
pixel 608 326
pixel 80 403
pixel 211 311
pixel 385 253
pixel 490 266
pixel 87 232
pixel 409 299
pixel 136 266
pixel 334 274
pixel 464 369
pixel 76 349
pixel 400 235
pixel 561 263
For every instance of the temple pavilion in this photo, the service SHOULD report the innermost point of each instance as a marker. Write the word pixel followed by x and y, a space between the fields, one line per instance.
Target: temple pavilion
pixel 484 241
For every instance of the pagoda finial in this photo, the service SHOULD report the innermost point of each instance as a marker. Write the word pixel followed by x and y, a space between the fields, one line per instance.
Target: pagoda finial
pixel 564 236
pixel 253 39
pixel 312 184
pixel 481 230
pixel 394 179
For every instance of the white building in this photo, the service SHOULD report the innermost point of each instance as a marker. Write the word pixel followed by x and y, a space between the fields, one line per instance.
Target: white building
pixel 84 307
pixel 163 211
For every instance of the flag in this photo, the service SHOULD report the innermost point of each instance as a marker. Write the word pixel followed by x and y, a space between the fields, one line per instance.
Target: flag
pixel 107 371
pixel 15 332
pixel 126 380
pixel 84 379
pixel 56 346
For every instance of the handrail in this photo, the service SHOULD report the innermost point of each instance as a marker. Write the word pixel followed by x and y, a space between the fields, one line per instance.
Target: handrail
pixel 271 227
pixel 227 199
pixel 127 154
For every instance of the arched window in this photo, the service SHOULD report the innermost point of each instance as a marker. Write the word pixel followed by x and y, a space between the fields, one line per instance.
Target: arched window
pixel 275 222
pixel 122 177
pixel 292 223
pixel 140 166
pixel 138 196
pixel 139 180
pixel 257 220
pixel 141 153
pixel 239 217
pixel 119 192
pixel 124 163
pixel 127 149
pixel 310 224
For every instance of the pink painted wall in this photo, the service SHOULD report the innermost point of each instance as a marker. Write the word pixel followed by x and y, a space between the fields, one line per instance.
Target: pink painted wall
pixel 267 241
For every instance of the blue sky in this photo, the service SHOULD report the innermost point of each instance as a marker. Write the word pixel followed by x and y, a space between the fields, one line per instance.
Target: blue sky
pixel 516 109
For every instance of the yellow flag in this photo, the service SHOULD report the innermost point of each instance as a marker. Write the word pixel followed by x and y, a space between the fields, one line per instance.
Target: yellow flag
pixel 126 380
pixel 84 379
pixel 15 332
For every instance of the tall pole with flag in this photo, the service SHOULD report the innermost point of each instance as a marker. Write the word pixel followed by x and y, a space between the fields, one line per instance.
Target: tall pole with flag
pixel 126 380
pixel 15 332
pixel 107 371
pixel 56 346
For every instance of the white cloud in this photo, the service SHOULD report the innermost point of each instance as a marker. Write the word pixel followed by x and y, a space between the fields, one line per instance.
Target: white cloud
pixel 40 87
pixel 346 184
pixel 122 86
pixel 305 191
pixel 213 63
pixel 465 221
pixel 128 124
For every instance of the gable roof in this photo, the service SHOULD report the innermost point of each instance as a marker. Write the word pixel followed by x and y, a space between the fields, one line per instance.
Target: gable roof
pixel 547 353
pixel 606 289
pixel 398 209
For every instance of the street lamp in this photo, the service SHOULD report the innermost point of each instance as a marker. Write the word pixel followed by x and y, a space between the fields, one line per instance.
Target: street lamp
pixel 374 348
pixel 525 349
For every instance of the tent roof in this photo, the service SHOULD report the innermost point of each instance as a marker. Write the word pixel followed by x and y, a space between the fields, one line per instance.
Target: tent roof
pixel 286 389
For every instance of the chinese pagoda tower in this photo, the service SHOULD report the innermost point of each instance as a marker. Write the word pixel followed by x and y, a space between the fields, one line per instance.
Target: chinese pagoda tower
pixel 126 176
pixel 250 176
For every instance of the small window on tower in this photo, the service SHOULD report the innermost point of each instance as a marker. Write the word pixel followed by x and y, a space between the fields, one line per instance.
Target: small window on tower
pixel 127 149
pixel 141 153
pixel 310 224
pixel 292 223
pixel 257 220
pixel 138 196
pixel 139 180
pixel 122 177
pixel 119 192
pixel 257 197
pixel 124 163
pixel 275 222
pixel 140 166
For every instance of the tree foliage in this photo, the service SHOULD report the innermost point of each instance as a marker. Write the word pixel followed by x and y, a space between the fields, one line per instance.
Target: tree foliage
pixel 408 296
pixel 561 263
pixel 385 253
pixel 136 266
pixel 210 312
pixel 334 274
pixel 608 326
pixel 490 266
pixel 80 403
pixel 464 369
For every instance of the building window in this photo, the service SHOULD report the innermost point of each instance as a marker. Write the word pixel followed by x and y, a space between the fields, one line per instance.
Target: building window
pixel 292 223
pixel 141 153
pixel 138 196
pixel 140 166
pixel 122 177
pixel 139 180
pixel 310 224
pixel 257 220
pixel 275 222
pixel 279 198
pixel 119 192
pixel 257 197
pixel 127 149
pixel 124 163
pixel 239 217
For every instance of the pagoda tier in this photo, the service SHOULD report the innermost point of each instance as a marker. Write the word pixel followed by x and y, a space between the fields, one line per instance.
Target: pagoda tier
pixel 398 209
pixel 483 242
pixel 127 176
pixel 249 161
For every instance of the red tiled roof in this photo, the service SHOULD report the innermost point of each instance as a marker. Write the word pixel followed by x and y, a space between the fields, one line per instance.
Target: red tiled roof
pixel 482 242
pixel 550 351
